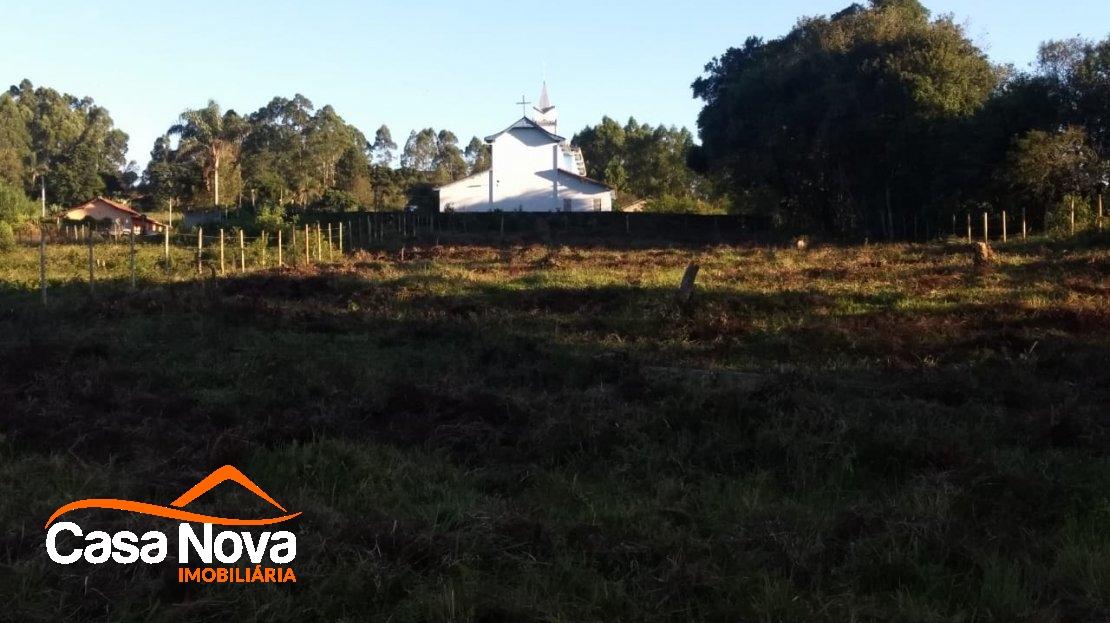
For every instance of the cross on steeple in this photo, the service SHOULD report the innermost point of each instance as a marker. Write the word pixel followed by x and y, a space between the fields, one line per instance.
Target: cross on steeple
pixel 523 106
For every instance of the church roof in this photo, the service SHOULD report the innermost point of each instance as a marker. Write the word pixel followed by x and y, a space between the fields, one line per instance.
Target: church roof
pixel 524 123
pixel 588 180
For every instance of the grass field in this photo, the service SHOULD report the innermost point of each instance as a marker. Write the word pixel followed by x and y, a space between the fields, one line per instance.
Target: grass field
pixel 883 433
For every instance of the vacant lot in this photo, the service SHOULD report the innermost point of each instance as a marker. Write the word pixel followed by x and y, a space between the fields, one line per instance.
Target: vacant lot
pixel 541 433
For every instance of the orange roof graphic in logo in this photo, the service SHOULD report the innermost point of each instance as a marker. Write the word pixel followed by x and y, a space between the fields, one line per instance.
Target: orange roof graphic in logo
pixel 175 509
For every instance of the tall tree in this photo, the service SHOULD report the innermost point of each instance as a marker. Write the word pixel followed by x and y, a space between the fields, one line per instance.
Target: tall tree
pixel 637 159
pixel 211 138
pixel 70 140
pixel 449 163
pixel 839 123
pixel 478 155
pixel 1045 167
pixel 383 147
pixel 420 151
pixel 1078 72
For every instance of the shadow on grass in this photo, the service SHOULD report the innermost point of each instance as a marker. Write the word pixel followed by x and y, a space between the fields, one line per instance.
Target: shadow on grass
pixel 890 452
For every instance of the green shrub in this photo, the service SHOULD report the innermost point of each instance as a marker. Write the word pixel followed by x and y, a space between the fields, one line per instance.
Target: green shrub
pixel 15 207
pixel 7 237
pixel 1058 218
pixel 270 217
pixel 681 205
pixel 337 201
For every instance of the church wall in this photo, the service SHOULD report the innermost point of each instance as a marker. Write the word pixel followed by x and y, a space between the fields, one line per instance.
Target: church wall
pixel 518 155
pixel 523 180
pixel 469 195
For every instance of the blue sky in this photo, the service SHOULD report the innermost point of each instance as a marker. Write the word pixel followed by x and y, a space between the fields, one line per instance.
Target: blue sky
pixel 442 64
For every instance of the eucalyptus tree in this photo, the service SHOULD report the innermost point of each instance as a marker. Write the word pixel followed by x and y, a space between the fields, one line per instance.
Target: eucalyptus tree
pixel 71 140
pixel 478 156
pixel 383 147
pixel 420 151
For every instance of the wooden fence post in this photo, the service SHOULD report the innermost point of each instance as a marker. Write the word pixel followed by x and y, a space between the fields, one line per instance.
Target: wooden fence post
pixel 223 267
pixel 280 263
pixel 319 243
pixel 986 232
pixel 42 259
pixel 307 258
pixel 1100 210
pixel 1024 231
pixel 1003 226
pixel 131 229
pixel 1073 215
pixel 265 248
pixel 242 254
pixel 969 227
pixel 92 275
pixel 200 249
pixel 166 228
pixel 341 239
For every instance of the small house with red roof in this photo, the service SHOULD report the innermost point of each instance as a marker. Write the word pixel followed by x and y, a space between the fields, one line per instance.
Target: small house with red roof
pixel 114 216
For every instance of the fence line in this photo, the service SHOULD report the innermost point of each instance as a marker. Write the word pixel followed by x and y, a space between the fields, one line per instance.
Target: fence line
pixel 378 230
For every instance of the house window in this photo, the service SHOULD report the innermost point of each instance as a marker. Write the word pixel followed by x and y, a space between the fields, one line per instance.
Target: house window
pixel 566 205
pixel 597 205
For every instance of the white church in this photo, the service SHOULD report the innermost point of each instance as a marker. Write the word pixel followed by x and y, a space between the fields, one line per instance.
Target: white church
pixel 533 170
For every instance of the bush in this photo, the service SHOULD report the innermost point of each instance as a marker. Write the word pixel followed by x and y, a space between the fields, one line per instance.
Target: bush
pixel 681 205
pixel 270 217
pixel 1058 218
pixel 7 237
pixel 15 207
pixel 337 201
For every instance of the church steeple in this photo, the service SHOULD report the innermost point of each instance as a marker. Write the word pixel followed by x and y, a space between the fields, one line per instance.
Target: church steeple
pixel 546 115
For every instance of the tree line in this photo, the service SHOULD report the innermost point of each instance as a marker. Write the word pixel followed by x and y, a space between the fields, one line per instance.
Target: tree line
pixel 288 153
pixel 881 118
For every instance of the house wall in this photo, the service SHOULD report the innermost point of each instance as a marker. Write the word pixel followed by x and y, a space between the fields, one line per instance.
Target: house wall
pixel 119 219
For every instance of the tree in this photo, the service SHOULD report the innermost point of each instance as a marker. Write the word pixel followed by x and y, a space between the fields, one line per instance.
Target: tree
pixel 844 119
pixel 383 147
pixel 15 143
pixel 478 155
pixel 636 159
pixel 449 163
pixel 167 178
pixel 1078 72
pixel 210 138
pixel 70 140
pixel 1045 167
pixel 15 207
pixel 420 151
